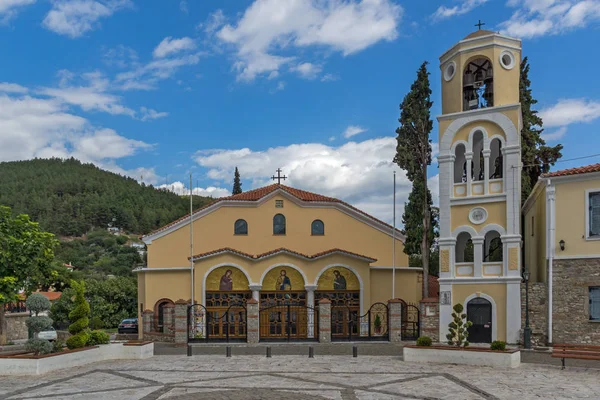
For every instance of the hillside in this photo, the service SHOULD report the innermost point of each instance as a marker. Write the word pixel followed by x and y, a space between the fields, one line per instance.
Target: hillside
pixel 70 198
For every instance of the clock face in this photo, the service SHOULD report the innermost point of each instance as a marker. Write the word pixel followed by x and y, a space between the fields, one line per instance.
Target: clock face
pixel 478 215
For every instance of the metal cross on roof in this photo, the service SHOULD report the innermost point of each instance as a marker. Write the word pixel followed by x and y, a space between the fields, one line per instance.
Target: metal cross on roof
pixel 480 24
pixel 279 177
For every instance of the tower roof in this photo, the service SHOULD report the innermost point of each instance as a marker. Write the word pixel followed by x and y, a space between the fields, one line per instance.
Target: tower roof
pixel 482 32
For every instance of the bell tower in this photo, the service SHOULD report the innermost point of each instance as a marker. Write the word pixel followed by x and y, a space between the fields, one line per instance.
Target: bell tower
pixel 480 186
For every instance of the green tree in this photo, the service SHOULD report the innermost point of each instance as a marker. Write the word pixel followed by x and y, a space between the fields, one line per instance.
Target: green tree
pixel 537 158
pixel 37 303
pixel 413 154
pixel 79 317
pixel 26 255
pixel 237 184
pixel 459 327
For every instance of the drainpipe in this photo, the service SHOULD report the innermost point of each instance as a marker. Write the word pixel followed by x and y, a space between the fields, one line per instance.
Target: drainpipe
pixel 550 193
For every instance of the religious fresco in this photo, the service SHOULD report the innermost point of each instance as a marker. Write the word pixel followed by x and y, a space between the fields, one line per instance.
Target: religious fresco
pixel 283 278
pixel 338 278
pixel 226 279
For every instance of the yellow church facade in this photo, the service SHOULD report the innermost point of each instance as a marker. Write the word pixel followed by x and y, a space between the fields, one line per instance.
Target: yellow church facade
pixel 480 160
pixel 274 244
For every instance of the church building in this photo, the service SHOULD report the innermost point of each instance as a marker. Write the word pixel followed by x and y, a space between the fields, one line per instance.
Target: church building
pixel 277 245
pixel 480 186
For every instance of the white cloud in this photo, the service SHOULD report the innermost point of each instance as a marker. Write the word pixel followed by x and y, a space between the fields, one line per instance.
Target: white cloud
pixel 329 78
pixel 181 189
pixel 183 6
pixel 121 57
pixel 549 17
pixel 331 138
pixel 170 46
pixel 556 135
pixel 10 8
pixel 464 7
pixel 89 99
pixel 271 26
pixel 215 21
pixel 353 130
pixel 12 88
pixel 359 173
pixel 148 113
pixel 307 70
pixel 73 18
pixel 570 111
pixel 280 86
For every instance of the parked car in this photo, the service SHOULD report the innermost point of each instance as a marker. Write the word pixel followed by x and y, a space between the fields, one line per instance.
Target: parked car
pixel 129 325
pixel 48 334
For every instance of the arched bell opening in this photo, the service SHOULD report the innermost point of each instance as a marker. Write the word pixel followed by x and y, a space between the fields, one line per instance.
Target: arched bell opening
pixel 460 164
pixel 478 169
pixel 478 84
pixel 496 160
pixel 464 248
pixel 492 247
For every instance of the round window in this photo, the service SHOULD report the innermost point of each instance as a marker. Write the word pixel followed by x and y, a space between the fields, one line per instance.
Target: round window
pixel 507 59
pixel 449 71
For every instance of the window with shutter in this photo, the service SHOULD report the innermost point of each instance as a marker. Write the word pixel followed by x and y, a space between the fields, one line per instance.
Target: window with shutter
pixel 594 303
pixel 594 214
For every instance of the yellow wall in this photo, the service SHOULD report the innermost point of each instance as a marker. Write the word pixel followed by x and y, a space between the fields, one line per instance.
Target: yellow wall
pixel 495 291
pixel 408 285
pixel 535 245
pixel 215 231
pixel 496 215
pixel 570 218
pixel 173 285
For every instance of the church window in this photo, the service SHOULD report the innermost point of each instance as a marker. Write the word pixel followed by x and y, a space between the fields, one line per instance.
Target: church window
pixel 317 228
pixel 593 218
pixel 594 303
pixel 240 227
pixel 478 84
pixel 279 224
pixel 460 164
pixel 449 71
pixel 278 203
pixel 507 59
pixel 464 248
pixel 492 247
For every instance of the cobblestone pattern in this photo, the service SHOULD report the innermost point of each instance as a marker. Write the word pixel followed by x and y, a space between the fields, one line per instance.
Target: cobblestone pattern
pixel 253 321
pixel 300 378
pixel 538 313
pixel 570 301
pixel 395 320
pixel 181 322
pixel 430 319
pixel 16 327
pixel 324 321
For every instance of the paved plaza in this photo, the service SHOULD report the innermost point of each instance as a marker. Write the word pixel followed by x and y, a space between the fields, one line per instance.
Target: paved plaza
pixel 299 378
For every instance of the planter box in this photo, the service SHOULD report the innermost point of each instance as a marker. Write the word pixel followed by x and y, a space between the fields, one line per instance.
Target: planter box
pixel 30 365
pixel 468 356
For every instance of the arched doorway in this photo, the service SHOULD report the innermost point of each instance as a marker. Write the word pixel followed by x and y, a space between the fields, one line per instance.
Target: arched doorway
pixel 342 287
pixel 284 310
pixel 226 296
pixel 479 312
pixel 159 315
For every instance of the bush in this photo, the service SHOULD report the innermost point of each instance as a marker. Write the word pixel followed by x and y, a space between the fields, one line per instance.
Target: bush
pixel 57 346
pixel 424 341
pixel 498 345
pixel 78 341
pixel 38 324
pixel 79 318
pixel 38 346
pixel 98 337
pixel 37 303
pixel 96 323
pixel 458 327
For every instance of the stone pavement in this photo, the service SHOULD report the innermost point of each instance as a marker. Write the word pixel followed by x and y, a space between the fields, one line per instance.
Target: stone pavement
pixel 300 378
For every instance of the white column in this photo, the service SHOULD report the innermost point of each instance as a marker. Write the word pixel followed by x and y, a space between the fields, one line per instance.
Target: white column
pixel 513 311
pixel 469 158
pixel 446 302
pixel 255 291
pixel 310 302
pixel 477 256
pixel 446 192
pixel 486 173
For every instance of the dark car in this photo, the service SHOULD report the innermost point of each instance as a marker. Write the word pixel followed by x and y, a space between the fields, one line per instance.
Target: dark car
pixel 129 325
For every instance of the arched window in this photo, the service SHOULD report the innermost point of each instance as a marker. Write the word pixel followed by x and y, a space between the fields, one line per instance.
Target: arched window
pixel 460 164
pixel 240 227
pixel 279 224
pixel 478 169
pixel 464 248
pixel 317 228
pixel 478 84
pixel 492 247
pixel 496 162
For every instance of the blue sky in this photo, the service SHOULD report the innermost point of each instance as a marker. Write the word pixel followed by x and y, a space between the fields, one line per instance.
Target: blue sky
pixel 156 89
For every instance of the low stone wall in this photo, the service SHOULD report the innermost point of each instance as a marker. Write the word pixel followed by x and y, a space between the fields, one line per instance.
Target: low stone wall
pixel 16 327
pixel 440 355
pixel 570 301
pixel 159 337
pixel 538 313
pixel 430 318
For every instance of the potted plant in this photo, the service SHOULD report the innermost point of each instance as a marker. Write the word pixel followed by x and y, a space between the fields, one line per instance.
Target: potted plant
pixel 377 325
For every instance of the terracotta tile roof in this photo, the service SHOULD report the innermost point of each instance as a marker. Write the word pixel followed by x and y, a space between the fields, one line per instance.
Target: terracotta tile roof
pixel 574 171
pixel 281 250
pixel 257 194
pixel 49 295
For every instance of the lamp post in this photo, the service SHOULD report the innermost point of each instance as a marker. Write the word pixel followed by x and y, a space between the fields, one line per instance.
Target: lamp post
pixel 527 330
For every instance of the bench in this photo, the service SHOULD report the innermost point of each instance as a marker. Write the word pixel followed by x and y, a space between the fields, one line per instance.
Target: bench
pixel 577 351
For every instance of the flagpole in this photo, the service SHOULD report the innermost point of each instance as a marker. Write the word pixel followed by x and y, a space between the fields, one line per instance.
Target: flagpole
pixel 191 242
pixel 394 245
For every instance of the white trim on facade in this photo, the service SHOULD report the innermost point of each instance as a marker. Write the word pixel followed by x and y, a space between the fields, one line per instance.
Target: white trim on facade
pixel 579 257
pixel 587 215
pixel 488 198
pixel 475 114
pixel 454 51
pixel 161 269
pixel 494 311
pixel 397 268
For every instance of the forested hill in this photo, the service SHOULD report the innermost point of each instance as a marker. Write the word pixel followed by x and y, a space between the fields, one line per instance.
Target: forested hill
pixel 69 198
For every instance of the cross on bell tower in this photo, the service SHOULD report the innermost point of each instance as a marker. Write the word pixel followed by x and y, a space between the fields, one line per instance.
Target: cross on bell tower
pixel 279 177
pixel 480 24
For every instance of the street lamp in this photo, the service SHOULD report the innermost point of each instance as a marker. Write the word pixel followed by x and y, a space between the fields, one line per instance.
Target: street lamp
pixel 527 330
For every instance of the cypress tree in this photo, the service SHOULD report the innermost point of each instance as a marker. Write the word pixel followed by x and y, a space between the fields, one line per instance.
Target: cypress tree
pixel 537 158
pixel 413 154
pixel 237 184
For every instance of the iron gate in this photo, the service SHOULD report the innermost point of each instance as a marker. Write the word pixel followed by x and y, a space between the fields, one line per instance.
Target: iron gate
pixel 347 324
pixel 289 322
pixel 411 327
pixel 214 325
